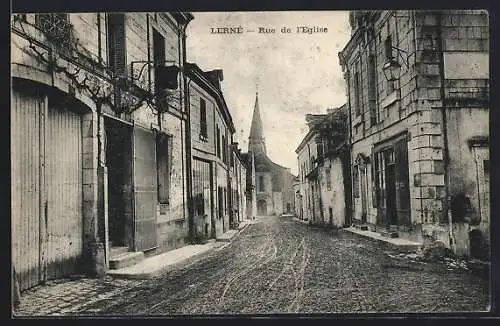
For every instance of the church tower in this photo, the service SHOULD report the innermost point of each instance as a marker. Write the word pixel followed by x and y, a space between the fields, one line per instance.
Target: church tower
pixel 256 142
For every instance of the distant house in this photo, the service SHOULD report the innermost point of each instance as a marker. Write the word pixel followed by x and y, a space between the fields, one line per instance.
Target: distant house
pixel 323 188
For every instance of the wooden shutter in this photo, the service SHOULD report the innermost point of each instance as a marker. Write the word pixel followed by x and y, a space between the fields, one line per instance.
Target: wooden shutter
pixel 145 191
pixel 116 43
pixel 164 154
pixel 402 182
pixel 374 185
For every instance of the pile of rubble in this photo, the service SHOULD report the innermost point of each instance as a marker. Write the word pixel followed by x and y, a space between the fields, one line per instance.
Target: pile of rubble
pixel 437 252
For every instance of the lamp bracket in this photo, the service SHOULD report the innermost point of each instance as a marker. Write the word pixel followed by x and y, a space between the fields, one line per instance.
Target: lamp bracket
pixel 145 63
pixel 405 61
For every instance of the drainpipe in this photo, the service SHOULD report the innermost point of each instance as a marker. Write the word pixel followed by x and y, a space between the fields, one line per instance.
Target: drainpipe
pixel 349 147
pixel 189 174
pixel 446 158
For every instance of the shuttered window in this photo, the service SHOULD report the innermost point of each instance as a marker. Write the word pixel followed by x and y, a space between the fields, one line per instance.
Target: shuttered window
pixel 357 94
pixel 164 164
pixel 328 173
pixel 218 142
pixel 372 90
pixel 203 119
pixel 355 181
pixel 159 61
pixel 116 43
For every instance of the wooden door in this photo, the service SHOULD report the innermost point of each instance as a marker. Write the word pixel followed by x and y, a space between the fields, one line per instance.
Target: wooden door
pixel 46 168
pixel 145 189
pixel 27 204
pixel 402 183
pixel 63 178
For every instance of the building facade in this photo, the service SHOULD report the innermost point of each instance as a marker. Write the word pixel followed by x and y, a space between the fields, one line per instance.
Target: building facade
pixel 97 140
pixel 211 135
pixel 323 158
pixel 419 124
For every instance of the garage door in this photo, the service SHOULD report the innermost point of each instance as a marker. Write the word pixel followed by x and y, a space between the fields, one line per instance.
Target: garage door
pixel 46 145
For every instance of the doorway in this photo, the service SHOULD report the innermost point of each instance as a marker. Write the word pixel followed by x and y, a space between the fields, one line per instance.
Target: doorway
pixel 119 166
pixel 261 207
pixel 390 171
pixel 364 195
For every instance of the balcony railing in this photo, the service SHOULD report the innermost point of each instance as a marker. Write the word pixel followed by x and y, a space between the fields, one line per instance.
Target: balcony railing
pixel 56 27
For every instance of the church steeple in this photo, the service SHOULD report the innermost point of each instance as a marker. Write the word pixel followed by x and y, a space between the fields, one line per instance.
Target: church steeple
pixel 256 142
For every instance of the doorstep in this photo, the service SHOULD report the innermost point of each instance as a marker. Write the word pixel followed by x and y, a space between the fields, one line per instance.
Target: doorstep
pixel 156 265
pixel 300 221
pixel 226 237
pixel 392 243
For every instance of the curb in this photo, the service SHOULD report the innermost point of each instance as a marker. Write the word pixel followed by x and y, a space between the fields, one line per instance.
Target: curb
pixel 168 268
pixel 216 245
pixel 385 244
pixel 301 221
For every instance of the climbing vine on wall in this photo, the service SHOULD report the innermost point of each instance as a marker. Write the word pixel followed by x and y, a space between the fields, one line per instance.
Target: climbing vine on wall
pixel 87 74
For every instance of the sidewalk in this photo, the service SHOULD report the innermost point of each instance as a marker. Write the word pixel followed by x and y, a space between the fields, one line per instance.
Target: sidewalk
pixel 70 295
pixel 391 243
pixel 298 220
pixel 156 265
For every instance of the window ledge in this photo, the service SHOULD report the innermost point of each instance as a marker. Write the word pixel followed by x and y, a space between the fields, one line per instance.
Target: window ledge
pixel 357 120
pixel 391 98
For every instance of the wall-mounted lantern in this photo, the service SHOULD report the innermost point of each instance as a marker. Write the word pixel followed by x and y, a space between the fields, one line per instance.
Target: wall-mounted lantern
pixel 392 68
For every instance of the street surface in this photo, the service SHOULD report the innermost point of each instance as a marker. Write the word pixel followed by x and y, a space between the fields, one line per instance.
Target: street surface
pixel 280 266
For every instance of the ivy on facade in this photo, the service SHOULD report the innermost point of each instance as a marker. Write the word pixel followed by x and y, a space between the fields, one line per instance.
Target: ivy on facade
pixel 123 94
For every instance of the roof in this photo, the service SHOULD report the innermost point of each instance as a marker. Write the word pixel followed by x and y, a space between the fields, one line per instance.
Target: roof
pixel 210 82
pixel 316 119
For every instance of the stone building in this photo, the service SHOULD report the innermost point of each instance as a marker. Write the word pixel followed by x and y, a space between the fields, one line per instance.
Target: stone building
pixel 98 122
pixel 324 178
pixel 238 185
pixel 274 192
pixel 418 94
pixel 211 134
pixel 251 193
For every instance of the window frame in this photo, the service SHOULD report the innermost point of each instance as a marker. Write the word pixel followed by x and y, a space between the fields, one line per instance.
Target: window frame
pixel 203 120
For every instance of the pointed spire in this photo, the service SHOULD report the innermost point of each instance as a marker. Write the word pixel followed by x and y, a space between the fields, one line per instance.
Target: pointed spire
pixel 256 139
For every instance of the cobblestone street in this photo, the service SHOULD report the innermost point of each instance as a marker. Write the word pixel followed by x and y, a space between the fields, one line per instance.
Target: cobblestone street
pixel 280 266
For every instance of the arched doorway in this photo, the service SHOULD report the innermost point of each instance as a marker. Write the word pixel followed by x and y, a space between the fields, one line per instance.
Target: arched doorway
pixel 261 207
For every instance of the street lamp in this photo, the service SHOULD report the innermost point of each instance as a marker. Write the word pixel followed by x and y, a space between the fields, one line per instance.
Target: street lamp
pixel 392 68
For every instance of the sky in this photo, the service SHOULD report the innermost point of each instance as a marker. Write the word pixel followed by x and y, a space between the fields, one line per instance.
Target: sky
pixel 295 73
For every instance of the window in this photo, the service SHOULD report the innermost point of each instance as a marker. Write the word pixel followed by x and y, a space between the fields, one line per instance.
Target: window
pixel 357 94
pixel 262 186
pixel 203 119
pixel 328 176
pixel 388 49
pixel 319 149
pixel 116 43
pixel 372 89
pixel 164 166
pixel 224 147
pixel 355 181
pixel 159 61
pixel 218 142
